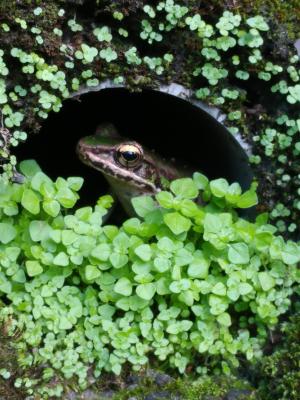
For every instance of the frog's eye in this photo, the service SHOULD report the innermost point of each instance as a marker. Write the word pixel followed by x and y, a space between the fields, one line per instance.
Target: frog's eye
pixel 129 154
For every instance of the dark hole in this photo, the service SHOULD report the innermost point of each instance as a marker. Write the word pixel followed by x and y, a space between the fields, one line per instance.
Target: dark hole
pixel 174 128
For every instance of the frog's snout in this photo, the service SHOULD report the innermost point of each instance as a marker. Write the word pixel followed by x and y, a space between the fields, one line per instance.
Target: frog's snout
pixel 81 149
pixel 87 151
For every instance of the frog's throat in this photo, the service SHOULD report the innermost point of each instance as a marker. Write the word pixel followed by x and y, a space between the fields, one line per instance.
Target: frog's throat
pixel 110 169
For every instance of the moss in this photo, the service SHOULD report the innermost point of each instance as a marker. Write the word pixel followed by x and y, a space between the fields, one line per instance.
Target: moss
pixel 282 12
pixel 276 11
pixel 209 386
pixel 189 389
pixel 279 373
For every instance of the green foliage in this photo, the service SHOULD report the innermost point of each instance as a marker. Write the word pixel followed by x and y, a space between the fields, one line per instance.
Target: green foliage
pixel 103 34
pixel 108 54
pixel 86 54
pixel 182 282
pixel 210 48
pixel 74 26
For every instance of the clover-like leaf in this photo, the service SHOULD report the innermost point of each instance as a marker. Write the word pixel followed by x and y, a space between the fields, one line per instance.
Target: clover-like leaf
pixel 238 253
pixel 177 223
pixel 143 205
pixel 103 34
pixel 39 230
pixel 184 188
pixel 5 285
pixel 33 268
pixel 219 187
pixel 219 289
pixel 146 290
pixel 290 253
pixel 51 207
pixel 123 286
pixel 30 201
pixel 61 259
pixel 118 260
pixel 101 252
pixel 258 22
pixel 91 272
pixel 144 252
pixel 165 199
pixel 224 319
pixel 7 232
pixel 266 280
pixel 29 168
pixel 248 198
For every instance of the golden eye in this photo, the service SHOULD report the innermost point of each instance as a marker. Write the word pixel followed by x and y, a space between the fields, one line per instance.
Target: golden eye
pixel 129 154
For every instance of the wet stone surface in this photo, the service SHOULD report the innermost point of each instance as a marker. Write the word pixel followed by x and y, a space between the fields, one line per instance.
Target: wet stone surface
pixel 159 378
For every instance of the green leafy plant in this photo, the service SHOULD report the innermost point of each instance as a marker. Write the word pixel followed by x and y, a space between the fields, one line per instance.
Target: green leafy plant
pixel 74 26
pixel 200 41
pixel 228 22
pixel 108 54
pixel 181 281
pixel 86 54
pixel 132 56
pixel 103 34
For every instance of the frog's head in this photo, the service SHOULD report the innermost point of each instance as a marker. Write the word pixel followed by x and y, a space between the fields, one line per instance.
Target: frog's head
pixel 130 169
pixel 122 162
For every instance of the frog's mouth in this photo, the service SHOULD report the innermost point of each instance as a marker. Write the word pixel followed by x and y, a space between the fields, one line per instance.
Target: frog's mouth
pixel 102 160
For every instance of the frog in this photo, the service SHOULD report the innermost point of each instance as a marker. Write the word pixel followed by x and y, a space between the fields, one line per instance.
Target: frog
pixel 130 168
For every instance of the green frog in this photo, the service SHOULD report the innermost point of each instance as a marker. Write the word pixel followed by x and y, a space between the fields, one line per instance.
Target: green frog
pixel 130 169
